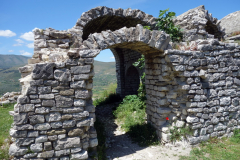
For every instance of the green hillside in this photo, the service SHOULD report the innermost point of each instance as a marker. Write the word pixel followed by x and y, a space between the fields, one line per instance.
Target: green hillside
pixel 8 61
pixel 105 73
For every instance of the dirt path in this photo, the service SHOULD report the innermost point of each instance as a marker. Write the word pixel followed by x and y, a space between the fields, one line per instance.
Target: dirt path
pixel 120 147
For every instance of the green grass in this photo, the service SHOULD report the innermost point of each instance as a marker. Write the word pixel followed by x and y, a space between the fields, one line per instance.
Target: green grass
pixel 5 124
pixel 107 96
pixel 131 116
pixel 217 149
pixel 5 121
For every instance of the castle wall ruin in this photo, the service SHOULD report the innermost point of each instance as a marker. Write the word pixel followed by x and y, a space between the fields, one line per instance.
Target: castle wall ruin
pixel 54 116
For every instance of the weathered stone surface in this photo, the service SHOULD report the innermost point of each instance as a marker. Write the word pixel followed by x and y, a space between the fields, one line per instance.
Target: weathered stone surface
pixel 62 152
pixel 37 147
pixel 80 155
pixel 33 134
pixel 75 132
pixel 24 141
pixel 23 99
pixel 79 102
pixel 83 94
pixel 42 127
pixel 48 103
pixel 23 127
pixel 85 122
pixel 20 118
pixel 17 134
pixel 230 23
pixel 42 110
pixel 62 101
pixel 81 69
pixel 69 123
pixel 53 117
pixel 67 143
pixel 35 119
pixel 56 131
pixel 78 84
pixel 62 75
pixel 44 90
pixel 26 108
pixel 46 154
pixel 56 124
pixel 14 150
pixel 67 92
pixel 80 115
pixel 43 71
pixel 89 53
pixel 47 146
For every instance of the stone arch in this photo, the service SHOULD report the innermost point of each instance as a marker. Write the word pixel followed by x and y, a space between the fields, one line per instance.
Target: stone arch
pixel 128 44
pixel 103 18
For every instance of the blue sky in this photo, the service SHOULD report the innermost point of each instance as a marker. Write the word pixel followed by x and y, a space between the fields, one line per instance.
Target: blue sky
pixel 19 17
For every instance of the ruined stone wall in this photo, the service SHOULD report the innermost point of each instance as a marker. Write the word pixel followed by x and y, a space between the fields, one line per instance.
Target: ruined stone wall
pixel 54 116
pixel 199 89
pixel 197 23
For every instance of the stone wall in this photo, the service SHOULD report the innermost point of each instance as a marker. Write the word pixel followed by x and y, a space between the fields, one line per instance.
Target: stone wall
pixel 197 23
pixel 54 116
pixel 199 89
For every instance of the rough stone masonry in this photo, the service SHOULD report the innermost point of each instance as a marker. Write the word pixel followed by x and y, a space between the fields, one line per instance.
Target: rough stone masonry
pixel 54 115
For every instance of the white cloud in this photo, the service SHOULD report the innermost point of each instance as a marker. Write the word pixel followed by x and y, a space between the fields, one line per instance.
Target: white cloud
pixel 11 51
pixel 24 53
pixel 7 33
pixel 28 36
pixel 30 45
pixel 112 57
pixel 19 42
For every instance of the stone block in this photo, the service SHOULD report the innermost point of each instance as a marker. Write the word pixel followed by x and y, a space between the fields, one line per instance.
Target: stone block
pixel 44 90
pixel 75 132
pixel 42 127
pixel 15 150
pixel 81 69
pixel 46 154
pixel 37 147
pixel 69 123
pixel 78 84
pixel 33 134
pixel 62 101
pixel 20 118
pixel 47 146
pixel 53 117
pixel 67 92
pixel 63 75
pixel 17 134
pixel 67 143
pixel 56 124
pixel 83 94
pixel 43 71
pixel 80 155
pixel 35 119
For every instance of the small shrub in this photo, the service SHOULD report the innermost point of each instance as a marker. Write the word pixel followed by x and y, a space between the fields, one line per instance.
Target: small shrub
pixel 178 133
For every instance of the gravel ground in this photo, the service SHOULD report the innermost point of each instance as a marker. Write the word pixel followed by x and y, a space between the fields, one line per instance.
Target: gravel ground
pixel 120 147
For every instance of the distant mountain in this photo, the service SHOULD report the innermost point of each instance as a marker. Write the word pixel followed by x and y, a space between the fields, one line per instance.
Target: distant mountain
pixel 105 73
pixel 8 61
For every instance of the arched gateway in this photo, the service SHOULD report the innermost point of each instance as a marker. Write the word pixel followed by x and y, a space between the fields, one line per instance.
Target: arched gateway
pixel 54 116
